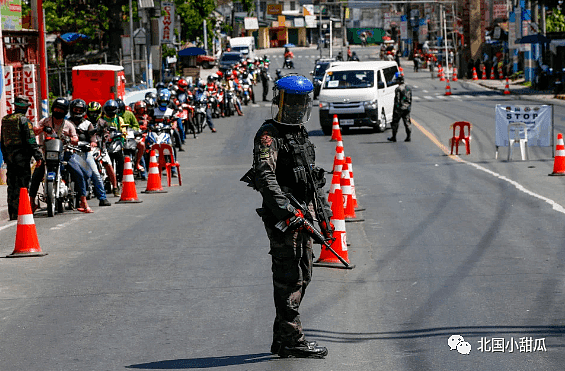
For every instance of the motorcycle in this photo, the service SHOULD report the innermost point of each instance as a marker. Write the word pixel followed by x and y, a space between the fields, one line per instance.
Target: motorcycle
pixel 159 133
pixel 229 108
pixel 201 105
pixel 288 63
pixel 58 187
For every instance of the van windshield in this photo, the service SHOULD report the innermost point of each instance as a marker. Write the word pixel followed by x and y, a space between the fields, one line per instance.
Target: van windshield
pixel 231 57
pixel 349 79
pixel 241 49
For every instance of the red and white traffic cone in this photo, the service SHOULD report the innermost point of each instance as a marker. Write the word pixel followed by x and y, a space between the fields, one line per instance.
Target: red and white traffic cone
pixel 129 194
pixel 353 193
pixel 349 208
pixel 507 87
pixel 27 243
pixel 153 176
pixel 336 130
pixel 484 76
pixel 339 245
pixel 492 73
pixel 447 88
pixel 475 76
pixel 454 77
pixel 336 179
pixel 559 162
pixel 339 158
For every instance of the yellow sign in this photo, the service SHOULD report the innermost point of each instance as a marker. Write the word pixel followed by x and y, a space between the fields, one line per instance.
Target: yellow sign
pixel 281 19
pixel 308 9
pixel 274 8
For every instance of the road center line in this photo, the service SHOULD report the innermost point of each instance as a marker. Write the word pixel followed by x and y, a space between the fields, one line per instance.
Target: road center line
pixel 557 207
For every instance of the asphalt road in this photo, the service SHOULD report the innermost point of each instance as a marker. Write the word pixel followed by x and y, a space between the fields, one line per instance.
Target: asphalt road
pixel 467 245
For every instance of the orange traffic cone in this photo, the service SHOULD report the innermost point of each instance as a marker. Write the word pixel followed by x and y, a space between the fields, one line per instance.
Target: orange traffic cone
pixel 27 243
pixel 336 131
pixel 500 75
pixel 349 208
pixel 447 88
pixel 454 77
pixel 153 176
pixel 439 70
pixel 475 77
pixel 492 73
pixel 442 77
pixel 129 194
pixel 559 162
pixel 339 158
pixel 507 87
pixel 339 245
pixel 336 179
pixel 484 76
pixel 353 193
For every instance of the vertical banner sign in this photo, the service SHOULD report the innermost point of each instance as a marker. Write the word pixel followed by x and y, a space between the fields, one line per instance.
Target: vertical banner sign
pixel 423 30
pixel 403 27
pixel 167 22
pixel 30 91
pixel 9 88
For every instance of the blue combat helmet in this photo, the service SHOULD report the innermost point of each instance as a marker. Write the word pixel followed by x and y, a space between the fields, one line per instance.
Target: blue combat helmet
pixel 292 100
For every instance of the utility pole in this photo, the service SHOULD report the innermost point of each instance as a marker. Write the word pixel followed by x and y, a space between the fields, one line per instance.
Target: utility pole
pixel 131 43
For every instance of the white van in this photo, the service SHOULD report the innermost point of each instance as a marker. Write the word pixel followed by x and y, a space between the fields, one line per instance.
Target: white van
pixel 359 93
pixel 244 45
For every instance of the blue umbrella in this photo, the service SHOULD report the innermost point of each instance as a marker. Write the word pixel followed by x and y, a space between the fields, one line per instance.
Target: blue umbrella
pixel 533 39
pixel 289 45
pixel 73 37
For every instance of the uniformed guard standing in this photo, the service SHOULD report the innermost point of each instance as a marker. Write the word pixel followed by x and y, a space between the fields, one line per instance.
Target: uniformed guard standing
pixel 284 169
pixel 18 147
pixel 402 107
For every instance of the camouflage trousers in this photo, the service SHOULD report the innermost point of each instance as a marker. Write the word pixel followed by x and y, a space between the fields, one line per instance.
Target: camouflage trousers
pixel 405 116
pixel 291 254
pixel 18 175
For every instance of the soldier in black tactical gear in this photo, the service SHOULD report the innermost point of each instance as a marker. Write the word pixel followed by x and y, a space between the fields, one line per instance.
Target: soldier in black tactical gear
pixel 402 107
pixel 18 147
pixel 283 165
pixel 264 74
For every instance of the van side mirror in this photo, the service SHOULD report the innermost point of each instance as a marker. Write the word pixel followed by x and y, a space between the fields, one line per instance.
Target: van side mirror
pixel 311 73
pixel 380 85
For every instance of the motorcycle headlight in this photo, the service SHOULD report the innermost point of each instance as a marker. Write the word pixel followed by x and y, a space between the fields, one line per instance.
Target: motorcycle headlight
pixel 371 104
pixel 324 105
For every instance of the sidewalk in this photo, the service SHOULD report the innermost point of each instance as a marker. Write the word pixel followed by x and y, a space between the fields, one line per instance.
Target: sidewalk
pixel 517 89
pixel 4 203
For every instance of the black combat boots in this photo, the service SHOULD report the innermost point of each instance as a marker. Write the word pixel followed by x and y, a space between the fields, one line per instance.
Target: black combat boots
pixel 303 349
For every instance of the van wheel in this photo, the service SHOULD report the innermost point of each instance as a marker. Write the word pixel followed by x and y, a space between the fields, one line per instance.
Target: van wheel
pixel 382 123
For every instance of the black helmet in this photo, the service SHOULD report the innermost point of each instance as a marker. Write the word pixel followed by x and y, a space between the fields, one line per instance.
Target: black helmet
pixel 399 77
pixel 150 94
pixel 62 106
pixel 93 111
pixel 111 108
pixel 77 108
pixel 175 79
pixel 121 106
pixel 159 86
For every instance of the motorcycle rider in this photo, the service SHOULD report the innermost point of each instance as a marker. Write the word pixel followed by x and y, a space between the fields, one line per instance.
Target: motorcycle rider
pixel 18 147
pixel 110 119
pixel 86 133
pixel 233 84
pixel 288 55
pixel 65 131
pixel 202 90
pixel 93 112
pixel 281 154
pixel 131 121
pixel 185 96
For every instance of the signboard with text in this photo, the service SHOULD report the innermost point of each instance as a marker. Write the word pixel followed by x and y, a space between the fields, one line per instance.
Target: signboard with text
pixel 167 22
pixel 11 13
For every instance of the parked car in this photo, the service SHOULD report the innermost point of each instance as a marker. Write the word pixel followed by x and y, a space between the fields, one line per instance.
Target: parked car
pixel 359 93
pixel 205 61
pixel 318 74
pixel 228 60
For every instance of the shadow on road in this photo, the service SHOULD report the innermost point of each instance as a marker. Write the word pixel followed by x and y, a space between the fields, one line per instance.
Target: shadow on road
pixel 208 362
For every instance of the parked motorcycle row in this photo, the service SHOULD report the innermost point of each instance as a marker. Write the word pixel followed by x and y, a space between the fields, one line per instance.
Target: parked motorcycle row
pixel 177 109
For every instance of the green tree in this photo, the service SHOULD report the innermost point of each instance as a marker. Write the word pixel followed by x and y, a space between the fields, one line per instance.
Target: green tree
pixel 555 22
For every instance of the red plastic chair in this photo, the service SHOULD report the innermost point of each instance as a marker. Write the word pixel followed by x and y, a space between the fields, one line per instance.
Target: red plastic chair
pixel 456 139
pixel 166 151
